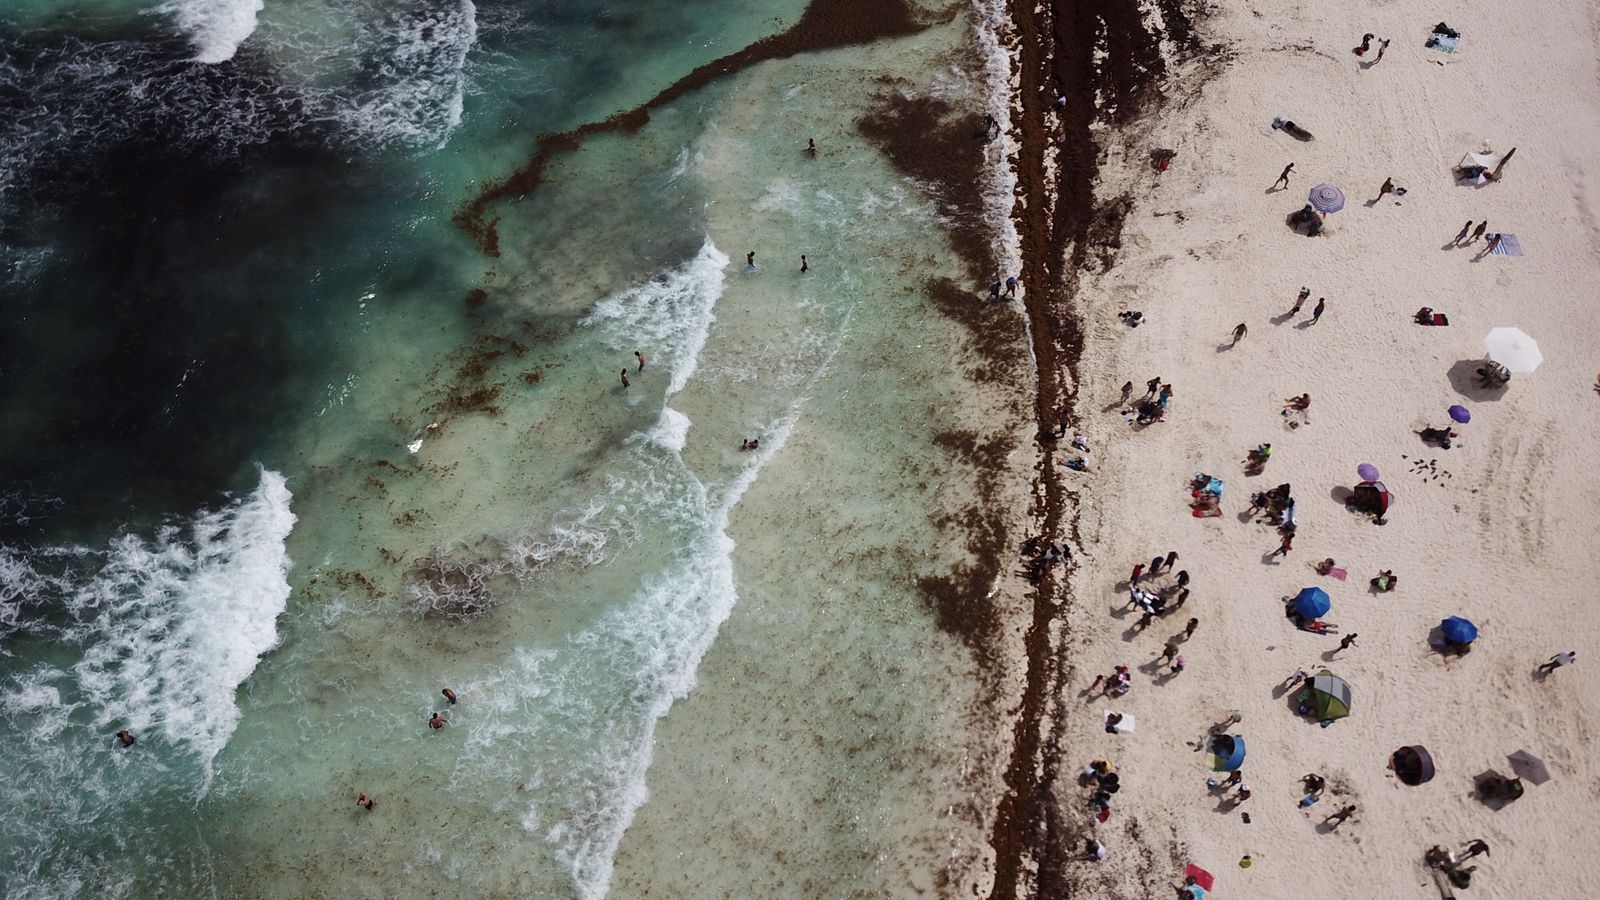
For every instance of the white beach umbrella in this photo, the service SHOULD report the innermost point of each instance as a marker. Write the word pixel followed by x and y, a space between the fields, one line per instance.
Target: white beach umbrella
pixel 1512 348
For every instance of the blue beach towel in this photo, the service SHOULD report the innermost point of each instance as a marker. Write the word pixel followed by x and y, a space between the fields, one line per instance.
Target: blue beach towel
pixel 1443 44
pixel 1508 246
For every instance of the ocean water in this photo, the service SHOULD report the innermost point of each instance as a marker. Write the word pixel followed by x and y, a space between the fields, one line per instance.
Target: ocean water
pixel 284 454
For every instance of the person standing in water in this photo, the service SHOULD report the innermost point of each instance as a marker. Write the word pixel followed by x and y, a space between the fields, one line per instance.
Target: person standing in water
pixel 640 357
pixel 750 260
pixel 625 381
pixel 126 738
pixel 449 696
pixel 437 721
pixel 365 802
pixel 805 264
pixel 811 147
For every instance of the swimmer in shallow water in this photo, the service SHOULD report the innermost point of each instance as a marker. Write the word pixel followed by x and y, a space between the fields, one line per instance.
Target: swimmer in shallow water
pixel 751 444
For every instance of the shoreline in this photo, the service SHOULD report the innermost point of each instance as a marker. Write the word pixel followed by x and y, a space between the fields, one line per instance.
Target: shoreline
pixel 1057 54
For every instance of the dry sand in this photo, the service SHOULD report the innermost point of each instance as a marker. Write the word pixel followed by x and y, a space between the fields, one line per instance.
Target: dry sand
pixel 1508 539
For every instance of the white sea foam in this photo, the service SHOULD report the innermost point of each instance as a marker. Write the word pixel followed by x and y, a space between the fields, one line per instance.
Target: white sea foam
pixel 999 178
pixel 215 28
pixel 671 312
pixel 166 628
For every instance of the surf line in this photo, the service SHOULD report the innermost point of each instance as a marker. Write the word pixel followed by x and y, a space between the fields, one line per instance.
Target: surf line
pixel 825 25
pixel 1064 234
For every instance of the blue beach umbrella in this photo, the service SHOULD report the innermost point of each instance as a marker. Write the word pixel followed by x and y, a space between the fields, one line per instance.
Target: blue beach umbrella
pixel 1312 603
pixel 1325 198
pixel 1458 630
pixel 1459 414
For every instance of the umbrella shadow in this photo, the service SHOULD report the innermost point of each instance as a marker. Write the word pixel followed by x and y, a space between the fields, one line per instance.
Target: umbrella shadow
pixel 1464 379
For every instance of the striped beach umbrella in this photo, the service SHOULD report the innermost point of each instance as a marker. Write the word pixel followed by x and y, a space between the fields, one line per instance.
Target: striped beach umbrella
pixel 1325 198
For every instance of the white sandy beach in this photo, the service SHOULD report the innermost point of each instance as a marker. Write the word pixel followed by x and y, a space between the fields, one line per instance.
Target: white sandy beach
pixel 1506 539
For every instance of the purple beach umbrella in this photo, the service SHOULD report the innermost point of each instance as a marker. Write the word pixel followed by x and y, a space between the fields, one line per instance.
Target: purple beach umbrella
pixel 1325 198
pixel 1460 415
pixel 1367 471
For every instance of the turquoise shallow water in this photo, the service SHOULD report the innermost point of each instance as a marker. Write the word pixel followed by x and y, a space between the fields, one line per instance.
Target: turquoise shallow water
pixel 234 551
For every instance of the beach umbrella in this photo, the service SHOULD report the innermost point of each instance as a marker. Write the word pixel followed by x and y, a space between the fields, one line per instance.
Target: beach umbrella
pixel 1459 630
pixel 1330 695
pixel 1528 766
pixel 1312 603
pixel 1458 415
pixel 1514 349
pixel 1325 198
pixel 1227 752
pixel 1367 472
pixel 1412 765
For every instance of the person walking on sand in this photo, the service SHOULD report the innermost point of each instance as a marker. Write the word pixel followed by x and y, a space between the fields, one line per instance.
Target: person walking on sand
pixel 1172 559
pixel 1494 241
pixel 1127 391
pixel 1183 597
pixel 1063 421
pixel 1179 664
pixel 1382 46
pixel 1344 812
pixel 1300 301
pixel 1137 571
pixel 1388 187
pixel 1348 641
pixel 1462 234
pixel 640 357
pixel 1316 311
pixel 1188 630
pixel 994 292
pixel 625 381
pixel 1477 846
pixel 1239 331
pixel 1283 177
pixel 365 802
pixel 1557 661
pixel 1151 386
pixel 449 696
pixel 805 264
pixel 1169 651
pixel 1285 545
pixel 1478 232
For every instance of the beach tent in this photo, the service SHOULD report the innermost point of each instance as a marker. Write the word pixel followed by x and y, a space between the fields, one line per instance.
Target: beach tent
pixel 1227 752
pixel 1371 497
pixel 1312 603
pixel 1412 765
pixel 1330 696
pixel 1485 161
pixel 1458 630
pixel 1528 766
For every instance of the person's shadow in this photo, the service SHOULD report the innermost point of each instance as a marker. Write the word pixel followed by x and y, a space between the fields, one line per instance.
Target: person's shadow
pixel 1270 558
pixel 1283 317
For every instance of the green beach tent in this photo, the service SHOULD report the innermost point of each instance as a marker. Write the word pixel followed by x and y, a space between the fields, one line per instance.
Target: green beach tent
pixel 1330 696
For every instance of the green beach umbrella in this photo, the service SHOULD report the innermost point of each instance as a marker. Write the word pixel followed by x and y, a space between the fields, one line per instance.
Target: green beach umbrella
pixel 1330 696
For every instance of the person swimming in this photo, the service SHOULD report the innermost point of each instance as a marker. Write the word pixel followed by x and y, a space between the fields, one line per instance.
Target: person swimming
pixel 751 444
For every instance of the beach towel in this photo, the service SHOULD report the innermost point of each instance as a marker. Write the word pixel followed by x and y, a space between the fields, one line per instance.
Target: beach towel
pixel 1444 43
pixel 1124 726
pixel 1509 245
